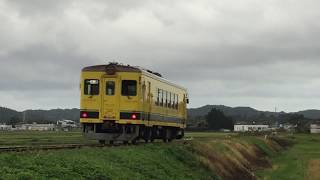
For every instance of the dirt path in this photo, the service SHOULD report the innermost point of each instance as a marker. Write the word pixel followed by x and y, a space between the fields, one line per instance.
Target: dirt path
pixel 313 172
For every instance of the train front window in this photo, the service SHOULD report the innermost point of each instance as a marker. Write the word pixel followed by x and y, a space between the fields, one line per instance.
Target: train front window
pixel 110 87
pixel 91 87
pixel 129 88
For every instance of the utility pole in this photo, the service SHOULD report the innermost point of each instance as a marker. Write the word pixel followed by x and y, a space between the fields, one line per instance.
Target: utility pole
pixel 276 118
pixel 24 117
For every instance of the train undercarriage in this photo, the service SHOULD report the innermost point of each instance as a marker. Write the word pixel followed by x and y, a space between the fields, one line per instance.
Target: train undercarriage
pixel 111 132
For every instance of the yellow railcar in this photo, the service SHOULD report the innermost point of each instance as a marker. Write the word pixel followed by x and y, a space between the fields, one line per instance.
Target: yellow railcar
pixel 126 103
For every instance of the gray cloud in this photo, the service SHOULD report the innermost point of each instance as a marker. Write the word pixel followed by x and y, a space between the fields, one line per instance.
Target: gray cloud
pixel 260 54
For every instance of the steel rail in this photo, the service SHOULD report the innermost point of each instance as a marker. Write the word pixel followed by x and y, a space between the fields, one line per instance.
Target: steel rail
pixel 49 147
pixel 69 146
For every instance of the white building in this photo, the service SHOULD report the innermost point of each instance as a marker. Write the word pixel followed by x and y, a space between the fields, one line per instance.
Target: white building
pixel 36 127
pixel 247 127
pixel 66 123
pixel 4 127
pixel 315 128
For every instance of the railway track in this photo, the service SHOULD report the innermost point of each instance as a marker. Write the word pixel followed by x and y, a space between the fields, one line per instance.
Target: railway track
pixel 49 147
pixel 68 146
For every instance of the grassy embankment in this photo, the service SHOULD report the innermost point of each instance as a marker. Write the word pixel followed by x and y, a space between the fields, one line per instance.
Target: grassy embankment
pixel 301 161
pixel 204 156
pixel 237 156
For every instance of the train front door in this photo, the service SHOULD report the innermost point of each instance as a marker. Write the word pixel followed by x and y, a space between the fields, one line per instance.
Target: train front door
pixel 110 98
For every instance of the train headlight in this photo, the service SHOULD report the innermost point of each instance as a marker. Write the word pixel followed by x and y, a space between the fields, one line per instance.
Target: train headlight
pixel 130 115
pixel 133 116
pixel 84 115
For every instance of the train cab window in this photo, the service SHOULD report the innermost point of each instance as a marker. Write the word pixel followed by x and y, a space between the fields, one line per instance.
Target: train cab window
pixel 91 87
pixel 129 88
pixel 110 88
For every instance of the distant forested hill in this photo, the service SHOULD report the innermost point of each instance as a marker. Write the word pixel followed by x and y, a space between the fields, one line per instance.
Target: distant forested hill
pixel 242 113
pixel 52 115
pixel 247 114
pixel 39 116
pixel 6 114
pixel 311 114
pixel 194 114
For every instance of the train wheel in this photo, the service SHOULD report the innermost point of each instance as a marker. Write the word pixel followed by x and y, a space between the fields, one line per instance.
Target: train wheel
pixel 165 135
pixel 154 133
pixel 134 141
pixel 102 141
pixel 181 135
pixel 147 135
pixel 170 134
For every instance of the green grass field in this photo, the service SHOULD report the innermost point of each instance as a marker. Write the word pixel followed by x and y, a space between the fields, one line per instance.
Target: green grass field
pixel 302 161
pixel 205 155
pixel 149 161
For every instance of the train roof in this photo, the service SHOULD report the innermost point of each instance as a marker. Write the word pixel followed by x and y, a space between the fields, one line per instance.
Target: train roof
pixel 111 68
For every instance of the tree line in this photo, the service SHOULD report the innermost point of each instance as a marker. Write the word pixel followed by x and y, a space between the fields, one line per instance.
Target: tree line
pixel 217 120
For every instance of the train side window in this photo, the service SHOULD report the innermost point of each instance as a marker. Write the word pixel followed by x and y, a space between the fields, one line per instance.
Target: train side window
pixel 160 97
pixel 169 99
pixel 177 104
pixel 110 88
pixel 91 87
pixel 163 98
pixel 166 96
pixel 173 100
pixel 129 88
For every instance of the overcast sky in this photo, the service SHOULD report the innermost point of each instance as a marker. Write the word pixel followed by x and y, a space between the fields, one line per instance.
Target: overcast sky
pixel 263 54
